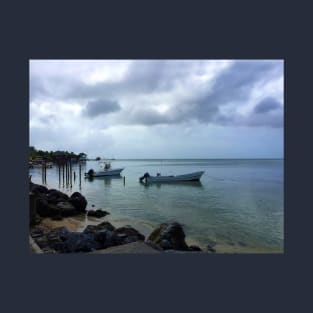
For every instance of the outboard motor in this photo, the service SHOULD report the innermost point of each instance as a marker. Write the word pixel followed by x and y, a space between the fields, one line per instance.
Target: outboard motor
pixel 144 177
pixel 90 172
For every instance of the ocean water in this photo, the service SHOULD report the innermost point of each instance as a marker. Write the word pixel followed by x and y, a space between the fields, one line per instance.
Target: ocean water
pixel 238 205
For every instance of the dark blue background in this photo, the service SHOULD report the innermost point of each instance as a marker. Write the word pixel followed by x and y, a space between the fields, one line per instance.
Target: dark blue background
pixel 190 283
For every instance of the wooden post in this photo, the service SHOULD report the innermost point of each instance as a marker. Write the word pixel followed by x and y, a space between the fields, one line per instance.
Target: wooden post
pixel 80 175
pixel 45 172
pixel 63 173
pixel 42 173
pixel 59 174
pixel 71 171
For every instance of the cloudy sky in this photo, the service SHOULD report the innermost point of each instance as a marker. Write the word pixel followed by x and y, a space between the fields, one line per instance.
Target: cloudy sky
pixel 158 108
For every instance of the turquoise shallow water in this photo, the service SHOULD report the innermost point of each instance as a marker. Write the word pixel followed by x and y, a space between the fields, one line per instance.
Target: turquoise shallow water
pixel 238 204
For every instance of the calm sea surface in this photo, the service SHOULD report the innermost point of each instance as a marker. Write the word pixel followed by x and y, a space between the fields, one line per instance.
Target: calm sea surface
pixel 238 205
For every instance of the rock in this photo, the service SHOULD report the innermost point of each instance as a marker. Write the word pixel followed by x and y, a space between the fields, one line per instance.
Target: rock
pixel 42 242
pixel 54 209
pixel 66 209
pixel 108 238
pixel 99 227
pixel 47 209
pixel 37 232
pixel 42 206
pixel 59 232
pixel 169 236
pixel 80 242
pixel 79 201
pixel 129 234
pixel 194 248
pixel 165 244
pixel 55 196
pixel 37 188
pixel 98 213
pixel 61 240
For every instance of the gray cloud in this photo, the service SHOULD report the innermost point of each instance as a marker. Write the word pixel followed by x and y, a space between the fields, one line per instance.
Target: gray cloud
pixel 267 113
pixel 150 77
pixel 142 77
pixel 232 86
pixel 267 105
pixel 99 107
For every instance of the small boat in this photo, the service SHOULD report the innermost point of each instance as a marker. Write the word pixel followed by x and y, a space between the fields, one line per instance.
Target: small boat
pixel 179 178
pixel 105 170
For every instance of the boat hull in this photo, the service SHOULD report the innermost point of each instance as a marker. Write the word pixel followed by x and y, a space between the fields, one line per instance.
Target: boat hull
pixel 179 178
pixel 112 172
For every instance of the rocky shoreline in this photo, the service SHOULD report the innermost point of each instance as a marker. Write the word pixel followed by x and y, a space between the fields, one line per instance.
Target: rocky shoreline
pixel 59 208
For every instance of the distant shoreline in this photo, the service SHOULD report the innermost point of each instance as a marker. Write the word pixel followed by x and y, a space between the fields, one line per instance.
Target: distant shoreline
pixel 211 159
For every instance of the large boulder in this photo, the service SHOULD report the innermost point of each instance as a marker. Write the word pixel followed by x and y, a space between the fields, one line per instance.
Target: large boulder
pixel 80 242
pixel 129 234
pixel 169 236
pixel 66 208
pixel 61 240
pixel 99 227
pixel 108 238
pixel 54 203
pixel 94 237
pixel 108 235
pixel 42 206
pixel 38 188
pixel 55 196
pixel 79 201
pixel 47 209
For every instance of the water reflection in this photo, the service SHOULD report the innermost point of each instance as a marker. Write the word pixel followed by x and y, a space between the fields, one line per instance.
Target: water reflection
pixel 197 184
pixel 106 179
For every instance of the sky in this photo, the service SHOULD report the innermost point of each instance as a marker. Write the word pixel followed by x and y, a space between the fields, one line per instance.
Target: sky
pixel 158 108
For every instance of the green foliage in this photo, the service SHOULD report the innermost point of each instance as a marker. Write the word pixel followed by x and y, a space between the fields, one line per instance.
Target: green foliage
pixel 50 155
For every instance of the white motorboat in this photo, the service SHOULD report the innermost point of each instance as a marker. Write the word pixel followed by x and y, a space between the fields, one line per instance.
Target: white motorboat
pixel 179 178
pixel 105 170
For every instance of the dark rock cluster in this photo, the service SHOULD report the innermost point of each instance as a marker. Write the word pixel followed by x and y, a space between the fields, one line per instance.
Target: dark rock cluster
pixel 53 203
pixel 170 236
pixel 57 205
pixel 93 237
